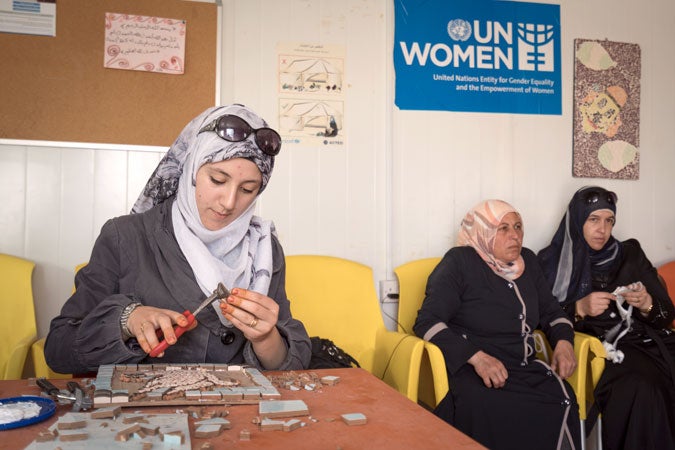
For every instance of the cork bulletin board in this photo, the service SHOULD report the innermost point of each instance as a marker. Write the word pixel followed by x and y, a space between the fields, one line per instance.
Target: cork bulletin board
pixel 57 88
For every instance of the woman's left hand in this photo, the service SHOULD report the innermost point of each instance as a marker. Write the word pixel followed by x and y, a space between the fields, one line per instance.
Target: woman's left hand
pixel 255 314
pixel 563 361
pixel 638 297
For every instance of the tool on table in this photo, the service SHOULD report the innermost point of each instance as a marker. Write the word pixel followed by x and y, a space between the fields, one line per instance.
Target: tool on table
pixel 82 401
pixel 76 396
pixel 219 293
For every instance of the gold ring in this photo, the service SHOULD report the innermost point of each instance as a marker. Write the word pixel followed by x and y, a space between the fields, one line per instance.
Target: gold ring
pixel 253 323
pixel 143 325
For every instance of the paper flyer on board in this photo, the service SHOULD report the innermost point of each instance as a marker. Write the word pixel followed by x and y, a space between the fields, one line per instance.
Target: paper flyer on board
pixel 151 44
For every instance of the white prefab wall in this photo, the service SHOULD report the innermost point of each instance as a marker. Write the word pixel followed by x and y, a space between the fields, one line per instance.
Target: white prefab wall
pixel 400 186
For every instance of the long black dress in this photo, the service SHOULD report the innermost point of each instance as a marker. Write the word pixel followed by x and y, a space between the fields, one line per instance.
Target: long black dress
pixel 478 310
pixel 637 396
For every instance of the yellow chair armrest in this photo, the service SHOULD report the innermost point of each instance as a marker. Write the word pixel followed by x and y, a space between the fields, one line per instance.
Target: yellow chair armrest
pixel 17 358
pixel 397 361
pixel 590 356
pixel 597 355
pixel 438 370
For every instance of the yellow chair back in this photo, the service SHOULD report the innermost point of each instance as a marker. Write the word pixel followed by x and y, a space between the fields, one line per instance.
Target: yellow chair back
pixel 412 280
pixel 16 304
pixel 335 299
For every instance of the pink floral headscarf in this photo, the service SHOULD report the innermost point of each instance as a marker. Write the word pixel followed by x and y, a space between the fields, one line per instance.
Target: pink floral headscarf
pixel 478 230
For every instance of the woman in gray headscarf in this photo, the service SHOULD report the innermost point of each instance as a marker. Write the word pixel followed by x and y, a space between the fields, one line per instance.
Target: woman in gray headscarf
pixel 192 228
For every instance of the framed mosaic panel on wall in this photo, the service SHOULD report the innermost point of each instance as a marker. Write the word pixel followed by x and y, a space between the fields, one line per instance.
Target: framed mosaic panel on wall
pixel 606 109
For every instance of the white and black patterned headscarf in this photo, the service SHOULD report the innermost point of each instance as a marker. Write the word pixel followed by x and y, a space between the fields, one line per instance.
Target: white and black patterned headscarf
pixel 164 180
pixel 238 255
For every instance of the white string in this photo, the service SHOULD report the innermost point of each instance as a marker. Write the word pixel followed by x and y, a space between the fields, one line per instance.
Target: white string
pixel 612 336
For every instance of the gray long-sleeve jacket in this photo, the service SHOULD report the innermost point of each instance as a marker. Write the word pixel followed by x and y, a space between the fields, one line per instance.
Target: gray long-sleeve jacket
pixel 136 258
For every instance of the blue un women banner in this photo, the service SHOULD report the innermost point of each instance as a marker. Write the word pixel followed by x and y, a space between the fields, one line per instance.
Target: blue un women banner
pixel 478 55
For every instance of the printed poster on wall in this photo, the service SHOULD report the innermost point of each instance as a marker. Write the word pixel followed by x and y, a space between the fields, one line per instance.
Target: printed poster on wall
pixel 606 109
pixel 311 95
pixel 478 56
pixel 151 44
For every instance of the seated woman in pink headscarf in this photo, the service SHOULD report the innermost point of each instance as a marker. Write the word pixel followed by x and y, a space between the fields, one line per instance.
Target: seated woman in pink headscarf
pixel 483 302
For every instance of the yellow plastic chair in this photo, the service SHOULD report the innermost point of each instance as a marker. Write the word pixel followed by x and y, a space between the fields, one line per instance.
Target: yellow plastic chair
pixel 38 352
pixel 16 303
pixel 335 299
pixel 590 353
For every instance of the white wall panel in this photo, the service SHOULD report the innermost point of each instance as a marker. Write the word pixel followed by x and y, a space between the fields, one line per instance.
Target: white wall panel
pixel 76 212
pixel 43 230
pixel 110 187
pixel 13 200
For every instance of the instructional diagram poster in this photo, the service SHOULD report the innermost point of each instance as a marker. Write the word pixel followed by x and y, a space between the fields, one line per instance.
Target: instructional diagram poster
pixel 311 97
pixel 478 55
pixel 151 44
pixel 606 109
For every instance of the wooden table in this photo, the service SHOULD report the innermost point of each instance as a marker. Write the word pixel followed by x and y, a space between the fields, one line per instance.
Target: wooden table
pixel 393 421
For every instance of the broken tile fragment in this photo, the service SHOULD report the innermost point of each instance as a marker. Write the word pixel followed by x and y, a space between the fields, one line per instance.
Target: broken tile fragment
pixel 106 413
pixel 271 425
pixel 124 434
pixel 330 380
pixel 150 430
pixel 354 419
pixel 282 408
pixel 292 424
pixel 134 419
pixel 73 435
pixel 65 424
pixel 46 436
pixel 224 423
pixel 208 431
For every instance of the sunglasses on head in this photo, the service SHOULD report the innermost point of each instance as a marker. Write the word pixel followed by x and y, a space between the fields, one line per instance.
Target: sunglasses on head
pixel 235 129
pixel 593 196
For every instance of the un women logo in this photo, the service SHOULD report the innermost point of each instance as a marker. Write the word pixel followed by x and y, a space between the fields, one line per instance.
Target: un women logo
pixel 459 30
pixel 536 47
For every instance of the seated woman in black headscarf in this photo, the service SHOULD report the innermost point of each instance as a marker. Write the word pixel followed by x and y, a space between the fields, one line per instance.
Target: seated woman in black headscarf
pixel 612 291
pixel 483 302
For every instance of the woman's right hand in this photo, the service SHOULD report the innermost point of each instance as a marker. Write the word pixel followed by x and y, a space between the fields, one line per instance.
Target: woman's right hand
pixel 594 304
pixel 490 369
pixel 145 320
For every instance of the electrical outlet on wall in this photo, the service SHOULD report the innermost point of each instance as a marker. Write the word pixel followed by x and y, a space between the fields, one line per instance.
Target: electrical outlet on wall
pixel 388 291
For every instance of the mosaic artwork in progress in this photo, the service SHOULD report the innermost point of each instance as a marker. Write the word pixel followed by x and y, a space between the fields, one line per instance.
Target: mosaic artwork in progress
pixel 180 384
